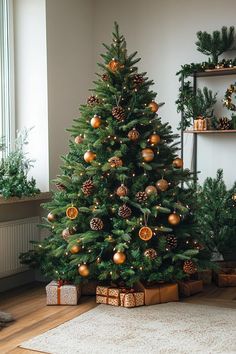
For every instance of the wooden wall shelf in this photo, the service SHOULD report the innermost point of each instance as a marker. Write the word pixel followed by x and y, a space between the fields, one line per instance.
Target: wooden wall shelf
pixel 43 196
pixel 216 72
pixel 210 131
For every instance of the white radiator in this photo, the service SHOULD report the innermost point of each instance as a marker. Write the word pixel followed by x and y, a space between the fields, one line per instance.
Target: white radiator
pixel 14 239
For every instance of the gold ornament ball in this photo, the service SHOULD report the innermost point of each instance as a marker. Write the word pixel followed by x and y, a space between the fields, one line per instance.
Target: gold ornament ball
pixel 75 249
pixel 79 139
pixel 89 156
pixel 162 185
pixel 150 190
pixel 234 197
pixel 145 233
pixel 133 135
pixel 153 106
pixel 178 163
pixel 147 154
pixel 119 258
pixel 122 191
pixel 174 219
pixel 154 139
pixel 52 217
pixel 96 121
pixel 83 270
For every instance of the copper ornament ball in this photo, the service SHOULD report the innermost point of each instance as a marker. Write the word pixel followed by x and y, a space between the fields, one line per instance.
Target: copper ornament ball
pixel 75 249
pixel 153 106
pixel 119 258
pixel 89 156
pixel 133 135
pixel 174 219
pixel 154 139
pixel 83 270
pixel 52 217
pixel 178 163
pixel 150 190
pixel 147 154
pixel 79 139
pixel 122 191
pixel 96 121
pixel 162 185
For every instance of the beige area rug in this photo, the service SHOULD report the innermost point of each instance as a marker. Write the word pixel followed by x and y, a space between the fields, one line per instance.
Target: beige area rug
pixel 173 328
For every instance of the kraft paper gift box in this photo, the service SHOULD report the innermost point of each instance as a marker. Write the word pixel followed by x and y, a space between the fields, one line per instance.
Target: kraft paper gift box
pixel 108 295
pixel 131 298
pixel 190 287
pixel 62 294
pixel 158 293
pixel 225 277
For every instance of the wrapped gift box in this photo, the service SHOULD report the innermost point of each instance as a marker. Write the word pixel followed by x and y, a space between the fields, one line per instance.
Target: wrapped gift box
pixel 89 288
pixel 158 293
pixel 131 298
pixel 190 287
pixel 205 276
pixel 108 295
pixel 62 294
pixel 225 277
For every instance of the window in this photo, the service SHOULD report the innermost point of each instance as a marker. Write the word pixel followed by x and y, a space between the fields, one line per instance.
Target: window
pixel 7 116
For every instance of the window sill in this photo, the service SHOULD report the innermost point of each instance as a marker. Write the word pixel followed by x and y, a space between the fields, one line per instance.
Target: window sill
pixel 38 197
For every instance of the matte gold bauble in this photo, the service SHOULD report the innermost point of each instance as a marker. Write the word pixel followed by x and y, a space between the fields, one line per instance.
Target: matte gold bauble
pixel 122 191
pixel 153 106
pixel 96 121
pixel 83 270
pixel 162 185
pixel 119 258
pixel 174 219
pixel 79 139
pixel 147 154
pixel 75 249
pixel 133 135
pixel 150 190
pixel 178 163
pixel 52 217
pixel 72 212
pixel 89 156
pixel 145 233
pixel 154 139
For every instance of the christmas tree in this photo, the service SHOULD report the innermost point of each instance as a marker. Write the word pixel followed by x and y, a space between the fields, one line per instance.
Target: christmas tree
pixel 120 213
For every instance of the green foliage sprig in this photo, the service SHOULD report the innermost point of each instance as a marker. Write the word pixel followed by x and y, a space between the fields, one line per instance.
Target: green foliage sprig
pixel 216 215
pixel 216 43
pixel 14 170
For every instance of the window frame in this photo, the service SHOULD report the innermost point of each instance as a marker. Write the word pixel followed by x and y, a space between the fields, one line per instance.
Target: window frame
pixel 7 87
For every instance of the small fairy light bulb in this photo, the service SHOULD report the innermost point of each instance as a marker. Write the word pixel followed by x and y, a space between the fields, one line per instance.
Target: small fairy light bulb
pixel 66 254
pixel 111 273
pixel 141 268
pixel 132 267
pixel 129 108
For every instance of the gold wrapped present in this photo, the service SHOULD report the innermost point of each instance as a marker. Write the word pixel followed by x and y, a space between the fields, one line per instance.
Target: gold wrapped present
pixel 131 298
pixel 200 123
pixel 158 293
pixel 107 295
pixel 190 287
pixel 225 277
pixel 61 293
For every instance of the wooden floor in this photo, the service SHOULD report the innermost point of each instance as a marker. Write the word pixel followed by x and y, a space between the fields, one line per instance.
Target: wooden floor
pixel 33 317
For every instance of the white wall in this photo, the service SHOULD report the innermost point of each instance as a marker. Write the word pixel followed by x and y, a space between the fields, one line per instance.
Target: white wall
pixel 70 69
pixel 31 82
pixel 164 33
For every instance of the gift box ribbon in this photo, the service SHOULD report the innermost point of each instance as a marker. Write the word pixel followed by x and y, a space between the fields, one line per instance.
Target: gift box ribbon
pixel 60 283
pixel 127 292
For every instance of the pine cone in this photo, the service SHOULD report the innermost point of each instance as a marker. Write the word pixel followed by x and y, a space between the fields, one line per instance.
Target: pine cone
pixel 60 187
pixel 189 267
pixel 105 77
pixel 171 241
pixel 141 197
pixel 93 100
pixel 224 123
pixel 115 161
pixel 124 211
pixel 88 187
pixel 138 80
pixel 150 253
pixel 133 135
pixel 96 224
pixel 118 113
